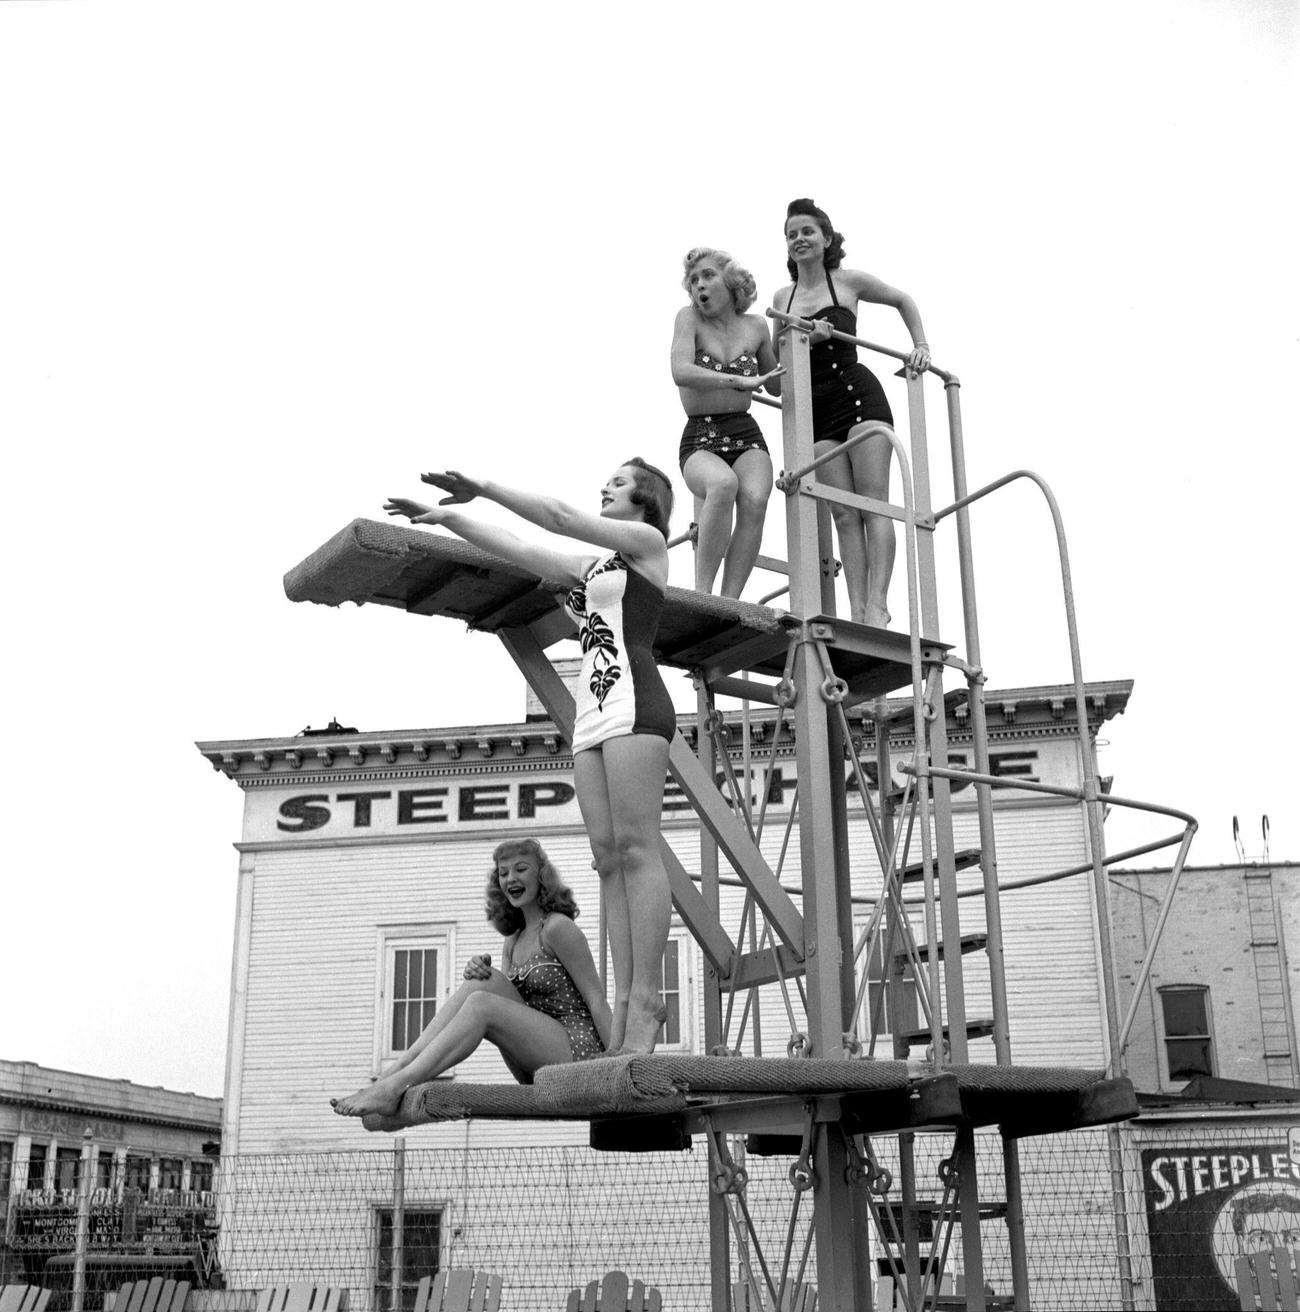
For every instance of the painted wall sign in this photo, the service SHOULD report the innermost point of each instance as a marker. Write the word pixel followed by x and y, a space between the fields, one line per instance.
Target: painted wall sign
pixel 1206 1206
pixel 67 1125
pixel 328 807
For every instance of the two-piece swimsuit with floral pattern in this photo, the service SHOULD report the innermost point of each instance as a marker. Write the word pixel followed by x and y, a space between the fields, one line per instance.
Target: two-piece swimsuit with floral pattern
pixel 727 436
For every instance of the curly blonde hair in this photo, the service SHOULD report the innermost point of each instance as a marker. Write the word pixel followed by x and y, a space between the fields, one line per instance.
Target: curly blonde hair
pixel 553 894
pixel 735 277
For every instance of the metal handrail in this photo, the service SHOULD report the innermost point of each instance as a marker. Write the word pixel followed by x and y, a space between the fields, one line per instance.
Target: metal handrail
pixel 809 325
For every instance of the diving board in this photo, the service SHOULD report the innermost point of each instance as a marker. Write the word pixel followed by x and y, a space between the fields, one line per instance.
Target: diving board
pixel 771 1093
pixel 430 573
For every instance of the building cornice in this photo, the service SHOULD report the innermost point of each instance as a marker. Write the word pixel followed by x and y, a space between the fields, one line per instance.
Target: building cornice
pixel 1012 714
pixel 127 1116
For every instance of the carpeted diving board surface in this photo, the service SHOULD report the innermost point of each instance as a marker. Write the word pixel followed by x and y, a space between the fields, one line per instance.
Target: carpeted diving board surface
pixel 769 1094
pixel 431 573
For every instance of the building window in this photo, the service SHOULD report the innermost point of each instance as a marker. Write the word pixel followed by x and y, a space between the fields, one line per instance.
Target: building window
pixel 171 1171
pixel 415 964
pixel 36 1166
pixel 201 1176
pixel 67 1170
pixel 1188 1045
pixel 104 1170
pixel 137 1174
pixel 421 1254
pixel 676 990
pixel 6 1175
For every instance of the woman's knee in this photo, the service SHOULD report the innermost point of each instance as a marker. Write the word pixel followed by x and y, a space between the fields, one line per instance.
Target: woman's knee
pixel 751 500
pixel 720 487
pixel 483 1007
pixel 633 848
pixel 846 518
pixel 605 859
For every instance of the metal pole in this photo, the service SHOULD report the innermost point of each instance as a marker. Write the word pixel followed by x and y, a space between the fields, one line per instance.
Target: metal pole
pixel 994 948
pixel 710 886
pixel 83 1224
pixel 842 1275
pixel 399 1222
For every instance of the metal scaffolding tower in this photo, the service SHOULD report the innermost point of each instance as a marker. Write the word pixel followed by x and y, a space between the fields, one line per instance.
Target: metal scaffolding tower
pixel 822 1101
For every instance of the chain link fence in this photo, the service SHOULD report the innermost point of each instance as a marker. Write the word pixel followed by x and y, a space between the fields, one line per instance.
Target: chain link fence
pixel 1149 1215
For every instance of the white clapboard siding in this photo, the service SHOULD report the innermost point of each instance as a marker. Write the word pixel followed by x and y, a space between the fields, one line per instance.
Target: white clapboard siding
pixel 313 958
pixel 313 967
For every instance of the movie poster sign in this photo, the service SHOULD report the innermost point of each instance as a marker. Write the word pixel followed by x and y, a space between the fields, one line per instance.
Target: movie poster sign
pixel 1207 1205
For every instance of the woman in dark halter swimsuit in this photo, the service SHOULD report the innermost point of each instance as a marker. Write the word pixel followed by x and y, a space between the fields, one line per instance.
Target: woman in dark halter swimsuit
pixel 847 395
pixel 547 1007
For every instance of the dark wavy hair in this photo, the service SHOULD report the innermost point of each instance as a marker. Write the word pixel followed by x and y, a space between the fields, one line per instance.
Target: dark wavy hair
pixel 553 893
pixel 1274 1200
pixel 653 493
pixel 834 256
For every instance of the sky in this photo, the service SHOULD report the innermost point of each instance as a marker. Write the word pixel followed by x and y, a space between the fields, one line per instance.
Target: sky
pixel 264 261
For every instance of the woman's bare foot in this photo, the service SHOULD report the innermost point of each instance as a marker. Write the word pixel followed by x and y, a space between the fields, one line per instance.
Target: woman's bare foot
pixel 876 617
pixel 378 1099
pixel 643 1028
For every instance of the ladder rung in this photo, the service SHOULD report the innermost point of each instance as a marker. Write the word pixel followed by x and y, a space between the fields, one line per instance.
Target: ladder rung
pixel 974 942
pixel 979 1028
pixel 963 860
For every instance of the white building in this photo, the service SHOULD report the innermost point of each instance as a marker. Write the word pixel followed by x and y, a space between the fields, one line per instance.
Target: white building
pixel 363 860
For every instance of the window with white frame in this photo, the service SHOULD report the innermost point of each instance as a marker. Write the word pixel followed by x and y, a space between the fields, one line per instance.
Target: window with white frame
pixel 1189 1046
pixel 677 990
pixel 414 963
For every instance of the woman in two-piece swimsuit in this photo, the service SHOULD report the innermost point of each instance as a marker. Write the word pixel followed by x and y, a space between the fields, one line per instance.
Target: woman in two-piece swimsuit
pixel 720 357
pixel 625 718
pixel 547 1007
pixel 846 396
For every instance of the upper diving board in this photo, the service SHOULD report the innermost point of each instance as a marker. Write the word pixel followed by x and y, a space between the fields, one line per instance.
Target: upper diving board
pixel 430 573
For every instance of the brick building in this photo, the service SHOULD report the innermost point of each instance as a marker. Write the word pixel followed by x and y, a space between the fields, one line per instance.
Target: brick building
pixel 1221 999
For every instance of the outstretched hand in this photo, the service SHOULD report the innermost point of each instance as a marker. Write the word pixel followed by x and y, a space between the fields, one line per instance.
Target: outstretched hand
pixel 416 511
pixel 459 489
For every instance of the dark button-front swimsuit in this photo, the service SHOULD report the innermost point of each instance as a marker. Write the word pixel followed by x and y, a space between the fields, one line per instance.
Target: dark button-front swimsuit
pixel 844 392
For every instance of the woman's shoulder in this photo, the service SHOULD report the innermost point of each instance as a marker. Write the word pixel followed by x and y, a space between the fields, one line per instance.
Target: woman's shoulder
pixel 860 283
pixel 558 929
pixel 688 319
pixel 755 323
pixel 781 295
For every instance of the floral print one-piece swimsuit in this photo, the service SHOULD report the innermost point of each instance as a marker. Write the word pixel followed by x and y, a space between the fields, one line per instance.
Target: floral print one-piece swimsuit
pixel 546 986
pixel 620 690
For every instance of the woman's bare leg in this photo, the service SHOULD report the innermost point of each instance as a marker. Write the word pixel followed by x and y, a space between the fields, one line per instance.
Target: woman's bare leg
pixel 714 485
pixel 635 771
pixel 528 1039
pixel 871 461
pixel 597 815
pixel 849 529
pixel 496 983
pixel 754 486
